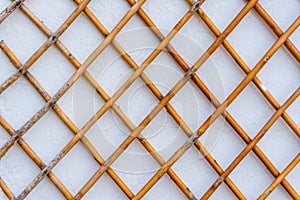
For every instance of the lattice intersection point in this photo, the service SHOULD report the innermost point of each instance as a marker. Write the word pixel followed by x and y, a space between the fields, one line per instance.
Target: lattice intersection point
pixel 136 131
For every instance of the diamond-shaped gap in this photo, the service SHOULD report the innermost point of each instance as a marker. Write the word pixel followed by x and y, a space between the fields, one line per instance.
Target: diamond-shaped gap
pixel 53 13
pixel 4 136
pixel 114 9
pixel 293 177
pixel 107 134
pixel 222 12
pixel 137 154
pixel 45 190
pixel 137 39
pixel 19 102
pixel 223 192
pixel 137 101
pixel 164 134
pixel 192 106
pixel 75 177
pixel 248 174
pixel 6 67
pixel 165 188
pixel 48 136
pixel 281 84
pixel 280 144
pixel 167 14
pixel 192 40
pixel 21 35
pixel 258 41
pixel 225 145
pixel 251 110
pixel 49 74
pixel 195 171
pixel 221 74
pixel 86 102
pixel 17 169
pixel 276 9
pixel 105 188
pixel 164 72
pixel 110 70
pixel 135 166
pixel 82 38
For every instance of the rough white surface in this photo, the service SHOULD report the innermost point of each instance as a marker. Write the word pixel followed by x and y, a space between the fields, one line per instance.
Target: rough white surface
pixel 251 39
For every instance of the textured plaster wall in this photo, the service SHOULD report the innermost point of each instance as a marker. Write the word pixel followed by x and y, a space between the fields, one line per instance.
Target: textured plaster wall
pixel 251 39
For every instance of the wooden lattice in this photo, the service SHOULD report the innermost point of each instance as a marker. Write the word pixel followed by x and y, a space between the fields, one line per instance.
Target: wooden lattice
pixel 190 75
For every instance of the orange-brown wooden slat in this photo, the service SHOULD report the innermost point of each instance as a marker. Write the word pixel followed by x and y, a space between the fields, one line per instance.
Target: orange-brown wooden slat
pixel 105 96
pixel 249 147
pixel 41 25
pixel 280 178
pixel 67 121
pixel 170 109
pixel 117 94
pixel 44 47
pixel 276 29
pixel 66 86
pixel 10 9
pixel 59 111
pixel 6 190
pixel 265 92
pixel 163 102
pixel 58 184
pixel 219 110
pixel 210 96
pixel 136 131
pixel 18 134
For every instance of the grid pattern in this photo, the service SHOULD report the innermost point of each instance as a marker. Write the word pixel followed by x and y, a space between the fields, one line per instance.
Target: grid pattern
pixel 136 131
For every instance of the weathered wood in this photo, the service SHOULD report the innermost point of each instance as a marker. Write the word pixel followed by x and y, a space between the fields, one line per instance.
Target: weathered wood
pixel 10 9
pixel 53 39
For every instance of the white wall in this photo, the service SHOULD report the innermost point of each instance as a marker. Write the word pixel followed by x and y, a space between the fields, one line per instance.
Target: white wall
pixel 251 39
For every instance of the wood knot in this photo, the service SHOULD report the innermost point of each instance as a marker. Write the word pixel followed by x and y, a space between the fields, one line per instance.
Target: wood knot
pixel 52 38
pixel 189 74
pixel 219 181
pixel 196 5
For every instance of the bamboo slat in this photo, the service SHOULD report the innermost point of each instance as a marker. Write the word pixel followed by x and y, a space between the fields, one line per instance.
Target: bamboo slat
pixel 136 131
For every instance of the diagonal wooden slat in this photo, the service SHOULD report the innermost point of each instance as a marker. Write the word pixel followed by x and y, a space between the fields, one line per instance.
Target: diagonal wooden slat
pixel 19 133
pixel 280 178
pixel 265 92
pixel 35 158
pixel 276 29
pixel 255 140
pixel 169 108
pixel 215 102
pixel 164 100
pixel 153 152
pixel 10 9
pixel 51 40
pixel 77 74
pixel 107 105
pixel 219 110
pixel 246 69
pixel 149 148
pixel 162 103
pixel 66 120
pixel 16 136
pixel 6 190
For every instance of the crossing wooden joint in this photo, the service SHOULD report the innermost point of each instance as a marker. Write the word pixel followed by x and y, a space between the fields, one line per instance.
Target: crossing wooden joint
pixel 136 131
